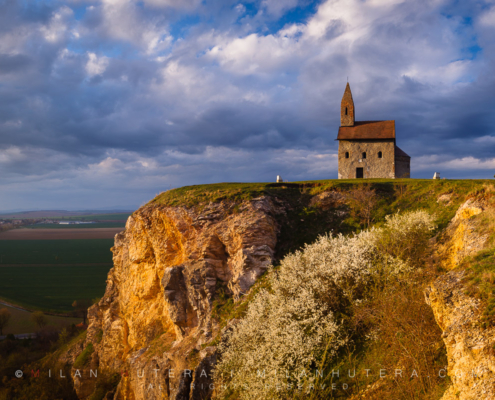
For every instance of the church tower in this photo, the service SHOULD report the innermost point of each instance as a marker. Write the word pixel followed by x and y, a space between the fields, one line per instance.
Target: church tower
pixel 347 108
pixel 367 149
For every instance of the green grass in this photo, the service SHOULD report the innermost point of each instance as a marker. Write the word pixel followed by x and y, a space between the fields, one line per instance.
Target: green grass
pixel 303 224
pixel 52 288
pixel 68 251
pixel 193 195
pixel 481 282
pixel 83 358
pixel 22 322
pixel 118 224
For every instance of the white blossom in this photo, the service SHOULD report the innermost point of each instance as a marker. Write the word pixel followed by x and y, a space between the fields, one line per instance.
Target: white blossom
pixel 287 329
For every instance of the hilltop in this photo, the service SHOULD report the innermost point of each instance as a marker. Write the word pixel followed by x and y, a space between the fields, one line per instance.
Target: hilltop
pixel 193 260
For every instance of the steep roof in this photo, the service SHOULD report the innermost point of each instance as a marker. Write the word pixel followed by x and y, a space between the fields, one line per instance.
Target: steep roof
pixel 347 94
pixel 400 153
pixel 368 130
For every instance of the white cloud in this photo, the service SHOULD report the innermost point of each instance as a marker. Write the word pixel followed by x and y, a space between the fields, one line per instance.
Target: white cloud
pixel 254 53
pixel 124 20
pixel 96 65
pixel 57 28
pixel 488 17
pixel 445 163
pixel 231 99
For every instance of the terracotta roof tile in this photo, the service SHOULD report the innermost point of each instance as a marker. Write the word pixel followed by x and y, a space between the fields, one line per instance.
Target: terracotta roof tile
pixel 368 130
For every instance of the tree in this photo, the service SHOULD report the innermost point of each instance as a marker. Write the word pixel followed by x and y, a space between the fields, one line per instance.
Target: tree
pixel 363 201
pixel 4 319
pixel 81 308
pixel 39 319
pixel 63 336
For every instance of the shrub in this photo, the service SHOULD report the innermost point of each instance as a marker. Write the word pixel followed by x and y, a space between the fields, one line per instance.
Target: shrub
pixel 4 319
pixel 304 315
pixel 405 236
pixel 39 318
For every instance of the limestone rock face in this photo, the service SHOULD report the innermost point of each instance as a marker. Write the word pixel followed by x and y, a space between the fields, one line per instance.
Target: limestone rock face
pixel 471 360
pixel 461 239
pixel 169 265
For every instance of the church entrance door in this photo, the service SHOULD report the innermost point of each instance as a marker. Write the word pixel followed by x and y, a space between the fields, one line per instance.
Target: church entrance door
pixel 359 173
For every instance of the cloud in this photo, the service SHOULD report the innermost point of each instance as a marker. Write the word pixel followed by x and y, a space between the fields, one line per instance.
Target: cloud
pixel 109 99
pixel 13 63
pixel 96 65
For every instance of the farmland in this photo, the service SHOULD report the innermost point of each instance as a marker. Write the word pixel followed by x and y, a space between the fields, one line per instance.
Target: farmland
pixel 22 322
pixel 52 288
pixel 96 225
pixel 48 269
pixel 53 251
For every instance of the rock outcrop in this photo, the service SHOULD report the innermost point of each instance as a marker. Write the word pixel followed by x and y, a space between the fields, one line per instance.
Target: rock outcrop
pixel 461 238
pixel 470 348
pixel 471 359
pixel 170 264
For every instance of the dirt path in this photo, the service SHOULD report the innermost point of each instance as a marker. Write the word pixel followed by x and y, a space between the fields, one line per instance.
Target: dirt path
pixel 57 234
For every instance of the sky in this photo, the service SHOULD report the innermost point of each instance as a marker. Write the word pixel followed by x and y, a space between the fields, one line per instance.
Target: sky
pixel 107 103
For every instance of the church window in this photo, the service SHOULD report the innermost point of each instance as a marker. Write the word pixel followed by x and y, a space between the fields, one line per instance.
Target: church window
pixel 346 111
pixel 379 154
pixel 364 155
pixel 346 154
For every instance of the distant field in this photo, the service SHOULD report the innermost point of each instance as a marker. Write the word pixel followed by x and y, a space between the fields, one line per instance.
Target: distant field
pixel 52 288
pixel 67 215
pixel 59 234
pixel 68 251
pixel 22 322
pixel 96 217
pixel 117 224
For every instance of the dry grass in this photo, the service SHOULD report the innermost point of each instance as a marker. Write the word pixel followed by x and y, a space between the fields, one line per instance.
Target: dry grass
pixel 407 339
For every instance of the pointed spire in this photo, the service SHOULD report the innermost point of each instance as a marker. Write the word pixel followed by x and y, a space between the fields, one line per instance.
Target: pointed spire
pixel 347 108
pixel 348 89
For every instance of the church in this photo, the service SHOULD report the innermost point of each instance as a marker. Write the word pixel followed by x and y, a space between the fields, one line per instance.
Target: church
pixel 367 149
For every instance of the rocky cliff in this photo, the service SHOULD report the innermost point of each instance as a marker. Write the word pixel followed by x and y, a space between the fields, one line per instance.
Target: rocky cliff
pixel 156 325
pixel 170 264
pixel 470 347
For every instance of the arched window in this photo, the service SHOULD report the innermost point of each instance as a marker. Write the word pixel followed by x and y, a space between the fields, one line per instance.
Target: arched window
pixel 346 154
pixel 346 111
pixel 379 154
pixel 364 155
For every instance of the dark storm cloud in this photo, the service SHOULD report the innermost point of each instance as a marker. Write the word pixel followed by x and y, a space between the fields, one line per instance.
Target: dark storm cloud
pixel 11 63
pixel 112 99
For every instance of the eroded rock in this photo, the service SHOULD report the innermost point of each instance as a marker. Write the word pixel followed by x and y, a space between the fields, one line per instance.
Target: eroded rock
pixel 169 264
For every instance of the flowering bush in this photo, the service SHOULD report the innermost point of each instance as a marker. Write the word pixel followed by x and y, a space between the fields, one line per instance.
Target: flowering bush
pixel 288 328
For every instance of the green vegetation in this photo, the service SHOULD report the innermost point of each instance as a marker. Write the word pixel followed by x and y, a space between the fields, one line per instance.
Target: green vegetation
pixel 96 217
pixel 481 280
pixel 105 383
pixel 304 223
pixel 35 357
pixel 68 251
pixel 52 288
pixel 22 321
pixel 369 315
pixel 83 358
pixel 194 195
pixel 81 217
